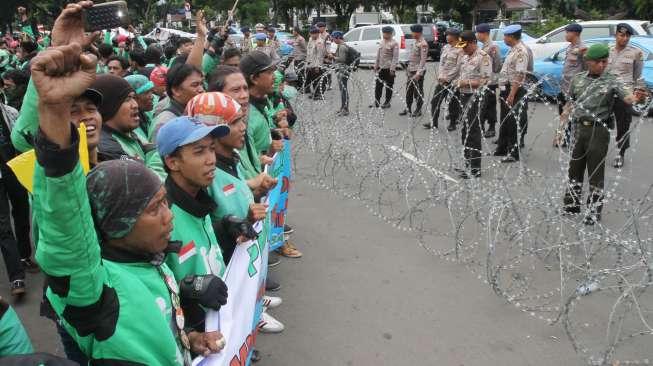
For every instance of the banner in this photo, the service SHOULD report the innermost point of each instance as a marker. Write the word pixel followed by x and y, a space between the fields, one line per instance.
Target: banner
pixel 238 319
pixel 278 196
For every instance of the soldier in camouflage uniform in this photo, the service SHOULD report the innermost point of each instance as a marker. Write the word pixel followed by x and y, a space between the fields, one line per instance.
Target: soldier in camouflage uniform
pixel 447 73
pixel 489 112
pixel 475 73
pixel 626 63
pixel 592 98
pixel 416 70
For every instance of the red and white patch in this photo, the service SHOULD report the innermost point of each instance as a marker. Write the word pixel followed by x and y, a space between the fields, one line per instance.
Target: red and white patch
pixel 229 189
pixel 187 251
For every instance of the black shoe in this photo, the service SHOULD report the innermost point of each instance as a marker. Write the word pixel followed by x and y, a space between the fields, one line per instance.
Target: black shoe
pixel 273 260
pixel 373 106
pixel 489 134
pixel 521 145
pixel 592 219
pixel 256 355
pixel 416 114
pixel 499 153
pixel 270 285
pixel 287 229
pixel 310 96
pixel 571 210
pixel 30 266
pixel 385 105
pixel 509 159
pixel 428 126
pixel 404 112
pixel 344 113
pixel 618 162
pixel 451 128
pixel 17 288
pixel 474 174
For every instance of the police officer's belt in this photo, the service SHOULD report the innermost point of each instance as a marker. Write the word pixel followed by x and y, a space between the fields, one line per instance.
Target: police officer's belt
pixel 591 122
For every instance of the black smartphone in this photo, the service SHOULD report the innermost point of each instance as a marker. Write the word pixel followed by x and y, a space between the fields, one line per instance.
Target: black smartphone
pixel 112 14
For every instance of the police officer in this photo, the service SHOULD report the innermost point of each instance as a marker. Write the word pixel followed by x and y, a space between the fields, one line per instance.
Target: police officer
pixel 447 72
pixel 626 62
pixel 246 43
pixel 489 112
pixel 512 81
pixel 265 46
pixel 385 66
pixel 592 96
pixel 415 72
pixel 475 73
pixel 574 63
pixel 315 55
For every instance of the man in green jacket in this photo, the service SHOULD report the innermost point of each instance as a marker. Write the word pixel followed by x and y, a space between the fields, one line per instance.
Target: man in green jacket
pixel 101 245
pixel 144 89
pixel 120 116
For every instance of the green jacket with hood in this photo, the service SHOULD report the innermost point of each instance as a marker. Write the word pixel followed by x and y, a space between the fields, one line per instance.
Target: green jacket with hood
pixel 115 304
pixel 117 145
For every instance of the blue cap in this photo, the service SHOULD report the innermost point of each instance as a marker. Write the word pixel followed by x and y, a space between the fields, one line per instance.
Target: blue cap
pixel 314 30
pixel 337 34
pixel 625 28
pixel 140 83
pixel 261 36
pixel 574 27
pixel 512 29
pixel 417 28
pixel 185 130
pixel 387 29
pixel 320 24
pixel 453 31
pixel 483 28
pixel 245 29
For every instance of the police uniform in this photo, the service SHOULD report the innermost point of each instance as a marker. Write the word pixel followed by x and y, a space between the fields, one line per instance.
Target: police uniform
pixel 447 72
pixel 515 68
pixel 626 65
pixel 315 53
pixel 593 100
pixel 489 112
pixel 474 67
pixel 299 58
pixel 387 58
pixel 574 64
pixel 416 67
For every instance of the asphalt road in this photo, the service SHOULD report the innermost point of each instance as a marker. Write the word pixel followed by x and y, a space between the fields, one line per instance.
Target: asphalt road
pixel 366 294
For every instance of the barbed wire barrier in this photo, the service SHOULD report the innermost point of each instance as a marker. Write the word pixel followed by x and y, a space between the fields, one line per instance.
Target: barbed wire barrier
pixel 506 227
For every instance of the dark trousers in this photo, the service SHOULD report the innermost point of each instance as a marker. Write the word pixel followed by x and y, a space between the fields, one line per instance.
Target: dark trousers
pixel 623 118
pixel 315 82
pixel 414 91
pixel 513 123
pixel 439 95
pixel 385 80
pixel 301 74
pixel 588 153
pixel 8 244
pixel 471 130
pixel 489 113
pixel 19 211
pixel 562 100
pixel 343 79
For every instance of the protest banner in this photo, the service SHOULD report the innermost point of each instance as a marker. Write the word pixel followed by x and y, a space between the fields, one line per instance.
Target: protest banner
pixel 278 196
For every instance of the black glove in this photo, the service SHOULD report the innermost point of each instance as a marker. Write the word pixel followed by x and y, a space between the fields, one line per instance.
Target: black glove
pixel 208 290
pixel 235 226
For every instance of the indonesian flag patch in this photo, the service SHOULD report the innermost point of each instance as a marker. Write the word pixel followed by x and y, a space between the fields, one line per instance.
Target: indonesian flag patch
pixel 229 189
pixel 187 251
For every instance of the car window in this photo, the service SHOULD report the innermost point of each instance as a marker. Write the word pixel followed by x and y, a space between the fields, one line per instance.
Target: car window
pixel 559 37
pixel 371 34
pixel 647 28
pixel 353 36
pixel 595 32
pixel 497 35
pixel 427 29
pixel 407 33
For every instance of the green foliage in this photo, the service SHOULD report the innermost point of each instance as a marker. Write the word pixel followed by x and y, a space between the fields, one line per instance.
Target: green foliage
pixel 553 21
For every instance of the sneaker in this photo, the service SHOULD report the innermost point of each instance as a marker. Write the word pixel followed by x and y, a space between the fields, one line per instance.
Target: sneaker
pixel 288 250
pixel 17 288
pixel 256 356
pixel 404 112
pixel 273 260
pixel 269 324
pixel 287 229
pixel 271 302
pixel 30 266
pixel 618 161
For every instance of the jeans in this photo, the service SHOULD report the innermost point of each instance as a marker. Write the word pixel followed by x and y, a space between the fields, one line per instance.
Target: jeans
pixel 343 79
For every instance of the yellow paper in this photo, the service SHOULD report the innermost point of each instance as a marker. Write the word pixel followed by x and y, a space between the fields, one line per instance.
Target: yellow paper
pixel 23 164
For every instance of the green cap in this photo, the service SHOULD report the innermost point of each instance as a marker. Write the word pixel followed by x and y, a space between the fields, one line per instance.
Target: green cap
pixel 597 51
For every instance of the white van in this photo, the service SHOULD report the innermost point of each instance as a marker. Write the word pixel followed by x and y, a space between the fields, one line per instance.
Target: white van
pixel 366 40
pixel 553 41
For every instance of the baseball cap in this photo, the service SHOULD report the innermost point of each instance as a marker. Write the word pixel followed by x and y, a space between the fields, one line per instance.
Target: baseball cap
pixel 465 38
pixel 483 28
pixel 337 34
pixel 140 83
pixel 93 95
pixel 387 29
pixel 512 29
pixel 314 30
pixel 244 29
pixel 417 28
pixel 320 24
pixel 185 130
pixel 260 36
pixel 453 31
pixel 574 27
pixel 255 62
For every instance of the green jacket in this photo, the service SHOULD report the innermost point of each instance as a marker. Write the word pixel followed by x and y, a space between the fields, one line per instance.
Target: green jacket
pixel 116 306
pixel 249 159
pixel 200 253
pixel 259 123
pixel 209 62
pixel 117 145
pixel 13 337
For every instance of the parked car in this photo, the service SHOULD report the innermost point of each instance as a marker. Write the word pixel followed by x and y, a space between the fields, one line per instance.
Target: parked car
pixel 549 70
pixel 555 40
pixel 496 35
pixel 366 40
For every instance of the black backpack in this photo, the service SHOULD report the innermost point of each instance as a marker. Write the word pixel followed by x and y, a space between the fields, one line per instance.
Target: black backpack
pixel 353 58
